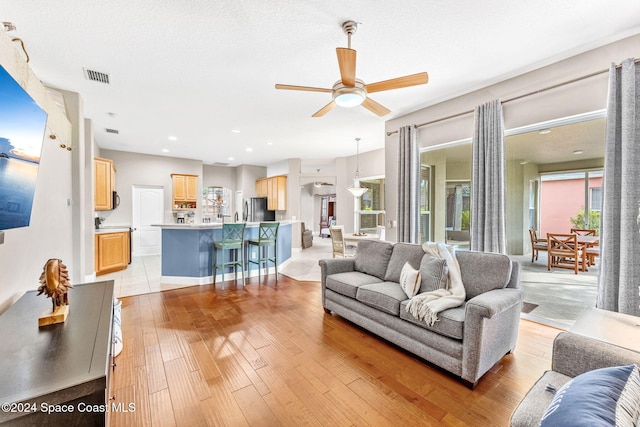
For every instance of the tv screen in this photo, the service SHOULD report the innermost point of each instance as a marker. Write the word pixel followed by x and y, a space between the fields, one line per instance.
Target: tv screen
pixel 22 126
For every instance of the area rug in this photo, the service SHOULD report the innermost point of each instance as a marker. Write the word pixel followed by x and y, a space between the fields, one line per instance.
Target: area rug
pixel 528 307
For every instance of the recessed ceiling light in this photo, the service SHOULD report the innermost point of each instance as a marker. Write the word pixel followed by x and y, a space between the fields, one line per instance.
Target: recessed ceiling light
pixel 173 138
pixel 235 130
pixel 269 143
pixel 230 158
pixel 544 131
pixel 248 149
pixel 578 152
pixel 165 150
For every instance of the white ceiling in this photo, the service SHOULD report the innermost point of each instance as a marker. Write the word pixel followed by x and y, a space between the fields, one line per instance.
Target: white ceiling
pixel 198 69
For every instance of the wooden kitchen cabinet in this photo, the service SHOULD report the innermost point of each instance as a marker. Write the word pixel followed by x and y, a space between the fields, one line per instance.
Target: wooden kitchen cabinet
pixel 275 190
pixel 277 194
pixel 261 187
pixel 104 183
pixel 185 191
pixel 112 252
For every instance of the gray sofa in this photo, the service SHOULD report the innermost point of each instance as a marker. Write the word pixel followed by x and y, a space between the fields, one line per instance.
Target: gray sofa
pixel 572 355
pixel 466 340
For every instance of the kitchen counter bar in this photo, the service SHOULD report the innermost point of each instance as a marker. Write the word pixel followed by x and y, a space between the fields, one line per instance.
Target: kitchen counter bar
pixel 187 250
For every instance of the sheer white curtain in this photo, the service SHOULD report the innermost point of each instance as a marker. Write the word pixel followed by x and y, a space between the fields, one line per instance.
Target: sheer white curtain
pixel 408 185
pixel 488 180
pixel 619 274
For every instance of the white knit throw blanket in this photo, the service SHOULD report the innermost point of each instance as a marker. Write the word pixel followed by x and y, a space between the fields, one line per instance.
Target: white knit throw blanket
pixel 427 305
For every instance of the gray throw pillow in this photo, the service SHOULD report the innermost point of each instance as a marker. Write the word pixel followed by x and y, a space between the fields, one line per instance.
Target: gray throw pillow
pixel 402 253
pixel 372 257
pixel 434 273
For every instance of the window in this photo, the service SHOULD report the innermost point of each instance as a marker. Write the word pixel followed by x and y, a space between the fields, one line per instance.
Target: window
pixel 595 197
pixel 565 199
pixel 426 192
pixel 370 213
pixel 458 205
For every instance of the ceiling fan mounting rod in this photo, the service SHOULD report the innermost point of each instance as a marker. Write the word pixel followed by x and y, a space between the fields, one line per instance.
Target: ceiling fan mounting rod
pixel 349 28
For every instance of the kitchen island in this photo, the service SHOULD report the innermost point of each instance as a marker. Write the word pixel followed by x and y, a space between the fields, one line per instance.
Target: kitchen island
pixel 187 251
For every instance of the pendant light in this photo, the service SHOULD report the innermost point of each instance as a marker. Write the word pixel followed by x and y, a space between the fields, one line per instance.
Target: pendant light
pixel 355 189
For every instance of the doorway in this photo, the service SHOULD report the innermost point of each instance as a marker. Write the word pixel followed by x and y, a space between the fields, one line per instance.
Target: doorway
pixel 148 209
pixel 327 213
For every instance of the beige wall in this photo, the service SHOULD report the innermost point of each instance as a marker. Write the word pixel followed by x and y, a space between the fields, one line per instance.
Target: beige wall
pixel 145 169
pixel 580 97
pixel 25 250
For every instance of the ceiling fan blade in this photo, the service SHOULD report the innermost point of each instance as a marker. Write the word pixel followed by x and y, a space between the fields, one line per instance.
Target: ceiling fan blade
pixel 347 63
pixel 397 83
pixel 305 88
pixel 375 108
pixel 324 110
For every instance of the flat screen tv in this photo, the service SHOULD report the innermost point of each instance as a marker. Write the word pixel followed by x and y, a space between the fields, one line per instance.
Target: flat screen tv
pixel 22 126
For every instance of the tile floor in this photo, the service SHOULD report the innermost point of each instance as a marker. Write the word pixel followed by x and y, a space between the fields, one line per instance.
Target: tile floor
pixel 143 274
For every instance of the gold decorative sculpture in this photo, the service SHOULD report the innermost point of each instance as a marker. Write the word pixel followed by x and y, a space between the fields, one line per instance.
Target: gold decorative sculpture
pixel 54 283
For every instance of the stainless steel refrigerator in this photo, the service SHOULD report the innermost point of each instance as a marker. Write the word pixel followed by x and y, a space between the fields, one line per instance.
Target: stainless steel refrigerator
pixel 255 210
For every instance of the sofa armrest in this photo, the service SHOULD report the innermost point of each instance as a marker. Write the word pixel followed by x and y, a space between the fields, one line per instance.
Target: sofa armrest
pixel 575 354
pixel 331 266
pixel 490 330
pixel 494 302
pixel 335 265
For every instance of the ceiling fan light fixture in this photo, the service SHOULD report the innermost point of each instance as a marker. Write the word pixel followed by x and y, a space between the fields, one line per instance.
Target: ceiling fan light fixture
pixel 349 100
pixel 349 96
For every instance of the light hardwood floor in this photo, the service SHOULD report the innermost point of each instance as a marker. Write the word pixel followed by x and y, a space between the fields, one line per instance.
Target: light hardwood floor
pixel 268 355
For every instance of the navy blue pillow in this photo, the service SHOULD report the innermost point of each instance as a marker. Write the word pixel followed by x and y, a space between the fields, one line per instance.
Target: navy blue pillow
pixel 591 399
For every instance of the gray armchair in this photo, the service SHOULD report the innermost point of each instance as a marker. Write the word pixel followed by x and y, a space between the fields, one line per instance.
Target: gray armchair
pixel 572 355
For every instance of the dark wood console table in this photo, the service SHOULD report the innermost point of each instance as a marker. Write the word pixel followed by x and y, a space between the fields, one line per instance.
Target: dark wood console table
pixel 62 368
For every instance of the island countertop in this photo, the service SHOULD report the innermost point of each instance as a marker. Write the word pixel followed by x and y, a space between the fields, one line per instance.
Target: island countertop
pixel 213 225
pixel 187 250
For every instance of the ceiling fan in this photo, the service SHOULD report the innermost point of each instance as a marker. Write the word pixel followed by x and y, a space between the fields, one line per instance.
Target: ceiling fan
pixel 350 91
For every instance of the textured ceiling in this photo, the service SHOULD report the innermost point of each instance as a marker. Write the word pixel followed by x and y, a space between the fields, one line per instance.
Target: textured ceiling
pixel 197 69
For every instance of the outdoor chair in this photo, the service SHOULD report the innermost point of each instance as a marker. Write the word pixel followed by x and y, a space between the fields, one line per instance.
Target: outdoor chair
pixel 537 244
pixel 583 232
pixel 563 251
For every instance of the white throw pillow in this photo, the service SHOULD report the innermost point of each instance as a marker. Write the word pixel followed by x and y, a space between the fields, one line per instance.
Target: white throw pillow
pixel 409 280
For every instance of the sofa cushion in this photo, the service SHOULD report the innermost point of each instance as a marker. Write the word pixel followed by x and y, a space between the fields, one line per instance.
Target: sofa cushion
pixel 434 273
pixel 384 296
pixel 402 253
pixel 602 397
pixel 372 257
pixel 450 322
pixel 410 280
pixel 348 283
pixel 483 271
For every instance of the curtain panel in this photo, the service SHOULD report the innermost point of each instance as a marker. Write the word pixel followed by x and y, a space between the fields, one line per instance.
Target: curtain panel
pixel 488 180
pixel 619 273
pixel 408 184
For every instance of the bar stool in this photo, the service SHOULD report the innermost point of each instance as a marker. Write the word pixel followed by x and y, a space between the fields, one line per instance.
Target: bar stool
pixel 267 236
pixel 232 239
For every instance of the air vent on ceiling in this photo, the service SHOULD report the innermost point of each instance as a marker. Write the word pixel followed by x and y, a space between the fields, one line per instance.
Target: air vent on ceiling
pixel 96 76
pixel 115 131
pixel 220 164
